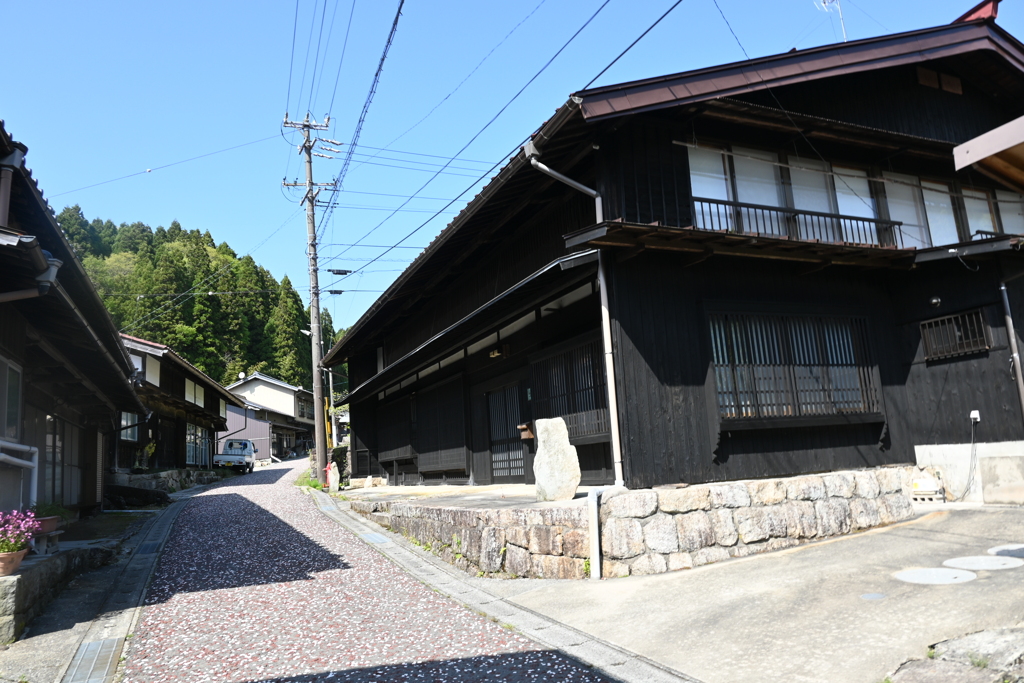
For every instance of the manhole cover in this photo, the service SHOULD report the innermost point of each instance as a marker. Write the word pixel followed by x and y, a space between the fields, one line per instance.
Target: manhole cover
pixel 983 562
pixel 936 575
pixel 1009 550
pixel 873 596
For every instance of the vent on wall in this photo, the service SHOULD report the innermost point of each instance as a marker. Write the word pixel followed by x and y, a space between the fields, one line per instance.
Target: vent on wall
pixel 933 79
pixel 955 335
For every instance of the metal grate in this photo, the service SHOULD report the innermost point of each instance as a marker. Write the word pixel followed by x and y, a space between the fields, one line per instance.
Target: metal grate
pixel 955 335
pixel 507 457
pixel 571 385
pixel 769 366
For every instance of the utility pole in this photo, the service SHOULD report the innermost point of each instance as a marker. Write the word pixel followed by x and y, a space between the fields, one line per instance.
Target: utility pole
pixel 320 438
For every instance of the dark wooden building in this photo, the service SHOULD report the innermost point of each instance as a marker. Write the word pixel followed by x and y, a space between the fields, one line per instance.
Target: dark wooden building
pixel 65 378
pixel 186 408
pixel 776 258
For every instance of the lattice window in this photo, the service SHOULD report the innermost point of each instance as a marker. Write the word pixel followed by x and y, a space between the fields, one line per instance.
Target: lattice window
pixel 571 385
pixel 780 366
pixel 955 335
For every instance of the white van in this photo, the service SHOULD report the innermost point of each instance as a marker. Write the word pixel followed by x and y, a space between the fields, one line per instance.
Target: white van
pixel 237 453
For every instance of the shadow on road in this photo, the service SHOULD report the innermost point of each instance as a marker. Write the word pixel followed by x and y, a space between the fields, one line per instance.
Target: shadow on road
pixel 257 477
pixel 540 666
pixel 222 540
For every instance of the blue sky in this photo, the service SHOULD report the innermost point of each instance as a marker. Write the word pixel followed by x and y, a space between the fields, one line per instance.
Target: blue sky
pixel 102 90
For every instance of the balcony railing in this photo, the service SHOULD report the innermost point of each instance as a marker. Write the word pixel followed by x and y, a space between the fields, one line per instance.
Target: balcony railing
pixel 715 214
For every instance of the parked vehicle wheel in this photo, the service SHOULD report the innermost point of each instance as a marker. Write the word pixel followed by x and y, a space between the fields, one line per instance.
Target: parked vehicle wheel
pixel 252 466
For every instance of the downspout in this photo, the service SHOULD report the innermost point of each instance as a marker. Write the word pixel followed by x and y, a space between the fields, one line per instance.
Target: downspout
pixel 1012 336
pixel 606 327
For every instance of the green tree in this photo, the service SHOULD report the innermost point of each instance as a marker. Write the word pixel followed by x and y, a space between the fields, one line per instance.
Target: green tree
pixel 292 350
pixel 136 238
pixel 79 231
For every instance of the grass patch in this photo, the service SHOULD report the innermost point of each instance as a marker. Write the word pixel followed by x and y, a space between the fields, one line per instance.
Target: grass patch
pixel 931 653
pixel 978 661
pixel 304 480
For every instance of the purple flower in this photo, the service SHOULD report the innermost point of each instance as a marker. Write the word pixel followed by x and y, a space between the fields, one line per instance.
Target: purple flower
pixel 16 530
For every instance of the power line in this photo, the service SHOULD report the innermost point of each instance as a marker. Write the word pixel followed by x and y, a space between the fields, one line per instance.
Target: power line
pixel 356 207
pixel 424 163
pixel 639 38
pixel 316 58
pixel 786 112
pixel 341 61
pixel 468 76
pixel 291 60
pixel 137 323
pixel 366 105
pixel 158 168
pixel 420 154
pixel 488 125
pixel 369 246
pixel 403 196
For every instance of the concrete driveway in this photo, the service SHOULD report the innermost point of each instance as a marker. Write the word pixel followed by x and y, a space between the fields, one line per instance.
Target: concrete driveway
pixel 831 611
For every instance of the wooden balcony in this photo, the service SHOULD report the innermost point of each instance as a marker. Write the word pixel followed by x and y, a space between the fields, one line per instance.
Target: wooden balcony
pixel 795 224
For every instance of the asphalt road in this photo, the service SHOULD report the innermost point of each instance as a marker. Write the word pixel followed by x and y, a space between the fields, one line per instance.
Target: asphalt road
pixel 256 584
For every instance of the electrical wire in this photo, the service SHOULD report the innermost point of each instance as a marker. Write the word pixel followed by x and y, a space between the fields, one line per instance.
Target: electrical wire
pixel 461 83
pixel 488 125
pixel 814 149
pixel 159 168
pixel 341 61
pixel 340 178
pixel 137 323
pixel 291 60
pixel 639 38
pixel 420 154
pixel 316 59
pixel 305 62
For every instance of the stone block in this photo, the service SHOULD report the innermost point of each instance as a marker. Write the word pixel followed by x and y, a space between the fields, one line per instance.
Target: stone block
pixel 729 495
pixel 518 560
pixel 610 569
pixel 631 504
pixel 723 527
pixel 867 484
pixel 574 517
pixel 513 517
pixel 709 555
pixel 801 519
pixel 545 540
pixel 679 561
pixel 939 671
pixel 805 488
pixel 766 492
pixel 651 563
pixel 752 524
pixel 622 537
pixel 781 543
pixel 556 468
pixel 660 534
pixel 896 507
pixel 889 479
pixel 1002 647
pixel 492 549
pixel 776 519
pixel 748 550
pixel 557 567
pixel 472 540
pixel 684 500
pixel 576 542
pixel 839 484
pixel 694 530
pixel 518 535
pixel 864 513
pixel 833 516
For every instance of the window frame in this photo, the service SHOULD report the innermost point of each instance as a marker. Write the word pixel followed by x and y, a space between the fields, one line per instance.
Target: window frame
pixel 129 434
pixel 962 316
pixel 867 371
pixel 8 367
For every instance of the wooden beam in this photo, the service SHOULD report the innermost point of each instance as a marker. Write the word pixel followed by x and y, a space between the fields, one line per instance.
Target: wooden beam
pixel 51 351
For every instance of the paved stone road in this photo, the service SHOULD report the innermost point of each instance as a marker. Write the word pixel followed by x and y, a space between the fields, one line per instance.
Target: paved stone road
pixel 255 584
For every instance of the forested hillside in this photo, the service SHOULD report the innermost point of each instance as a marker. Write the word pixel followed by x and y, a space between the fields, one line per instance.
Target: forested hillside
pixel 238 319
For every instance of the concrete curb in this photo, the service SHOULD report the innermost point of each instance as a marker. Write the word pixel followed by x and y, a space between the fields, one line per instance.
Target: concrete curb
pixel 613 661
pixel 99 651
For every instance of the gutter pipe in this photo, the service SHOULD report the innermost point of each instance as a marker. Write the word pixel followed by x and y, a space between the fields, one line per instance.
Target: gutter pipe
pixel 1018 372
pixel 32 464
pixel 606 328
pixel 44 281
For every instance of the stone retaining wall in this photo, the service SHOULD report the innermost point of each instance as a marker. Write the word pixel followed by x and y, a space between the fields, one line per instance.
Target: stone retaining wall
pixel 166 480
pixel 654 530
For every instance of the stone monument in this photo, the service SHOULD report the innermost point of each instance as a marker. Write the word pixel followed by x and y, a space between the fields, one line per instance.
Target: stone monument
pixel 333 477
pixel 555 467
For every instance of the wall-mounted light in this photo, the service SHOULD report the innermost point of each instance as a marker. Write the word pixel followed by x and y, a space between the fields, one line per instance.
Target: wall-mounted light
pixel 935 301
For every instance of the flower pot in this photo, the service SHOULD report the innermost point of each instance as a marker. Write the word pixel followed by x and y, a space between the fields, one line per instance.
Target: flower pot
pixel 9 562
pixel 47 524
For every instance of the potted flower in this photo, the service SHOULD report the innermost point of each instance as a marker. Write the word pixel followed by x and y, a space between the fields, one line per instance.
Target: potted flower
pixel 16 530
pixel 49 516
